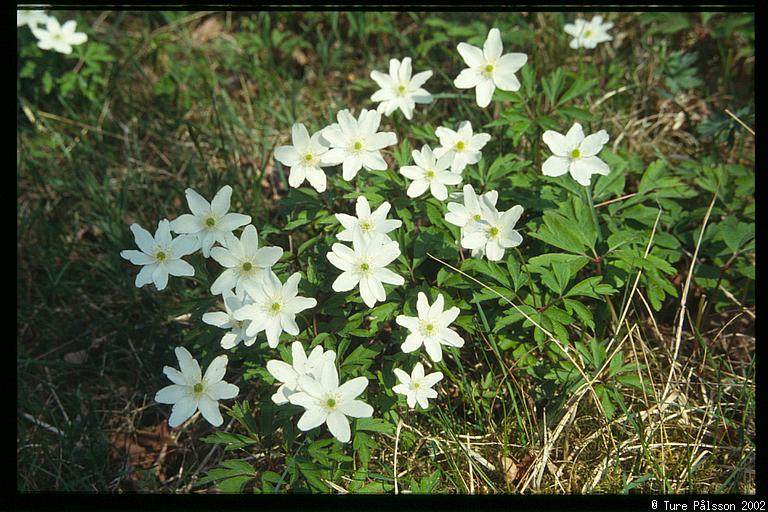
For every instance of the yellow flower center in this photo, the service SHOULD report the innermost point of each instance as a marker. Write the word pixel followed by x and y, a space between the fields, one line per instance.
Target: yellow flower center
pixel 210 222
pixel 198 388
pixel 575 153
pixel 460 145
pixel 400 89
pixel 430 173
pixel 477 216
pixel 358 146
pixel 416 385
pixel 493 232
pixel 308 157
pixel 429 328
pixel 239 323
pixel 247 266
pixel 366 225
pixel 365 267
pixel 331 403
pixel 160 256
pixel 588 33
pixel 275 307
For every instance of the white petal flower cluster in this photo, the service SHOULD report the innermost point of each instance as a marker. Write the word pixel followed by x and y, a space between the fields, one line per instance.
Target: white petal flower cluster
pixel 160 256
pixel 301 365
pixel 226 320
pixel 368 224
pixel 54 36
pixel 313 383
pixel 209 222
pixel 305 158
pixel 430 173
pixel 488 68
pixel 357 143
pixel 274 307
pixel 588 34
pixel 244 262
pixel 462 146
pixel 417 387
pixel 191 391
pixel 576 154
pixel 485 230
pixel 31 18
pixel 430 327
pixel 399 89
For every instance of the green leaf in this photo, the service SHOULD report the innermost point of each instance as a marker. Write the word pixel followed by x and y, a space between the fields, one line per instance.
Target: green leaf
pixel 374 425
pixel 578 88
pixel 591 287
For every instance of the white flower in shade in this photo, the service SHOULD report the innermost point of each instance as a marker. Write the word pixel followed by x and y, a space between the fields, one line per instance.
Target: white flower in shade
pixel 417 387
pixel 190 391
pixel 227 320
pixel 32 18
pixel 304 158
pixel 430 173
pixel 576 154
pixel 399 89
pixel 160 255
pixel 274 307
pixel 463 147
pixel 57 37
pixel 364 266
pixel 493 233
pixel 326 402
pixel 368 224
pixel 460 214
pixel 356 143
pixel 488 68
pixel 430 328
pixel 301 365
pixel 209 222
pixel 588 34
pixel 245 263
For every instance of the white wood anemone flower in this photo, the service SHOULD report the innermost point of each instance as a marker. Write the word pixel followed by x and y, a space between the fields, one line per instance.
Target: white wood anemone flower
pixel 209 222
pixel 417 387
pixel 304 158
pixel 325 401
pixel 364 265
pixel 226 320
pixel 57 37
pixel 575 154
pixel 488 68
pixel 588 34
pixel 160 256
pixel 430 173
pixel 274 308
pixel 430 327
pixel 463 147
pixel 399 89
pixel 301 364
pixel 459 214
pixel 31 18
pixel 191 391
pixel 493 233
pixel 368 224
pixel 244 261
pixel 357 143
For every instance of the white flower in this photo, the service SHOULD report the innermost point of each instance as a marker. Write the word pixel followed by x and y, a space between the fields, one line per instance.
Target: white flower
pixel 463 147
pixel 356 143
pixel 210 222
pixel 493 233
pixel 160 255
pixel 326 402
pixel 430 327
pixel 430 173
pixel 227 320
pixel 588 34
pixel 488 68
pixel 399 89
pixel 190 392
pixel 364 266
pixel 32 18
pixel 460 214
pixel 274 307
pixel 245 263
pixel 417 387
pixel 368 224
pixel 304 158
pixel 576 154
pixel 57 37
pixel 289 374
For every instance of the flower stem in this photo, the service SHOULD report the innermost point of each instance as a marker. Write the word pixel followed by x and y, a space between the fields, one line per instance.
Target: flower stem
pixel 594 213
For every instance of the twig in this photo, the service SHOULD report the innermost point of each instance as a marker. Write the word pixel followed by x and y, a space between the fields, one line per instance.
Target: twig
pixel 740 122
pixel 43 424
pixel 397 440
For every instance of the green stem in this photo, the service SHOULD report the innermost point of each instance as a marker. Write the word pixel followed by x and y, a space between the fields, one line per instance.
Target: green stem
pixel 594 213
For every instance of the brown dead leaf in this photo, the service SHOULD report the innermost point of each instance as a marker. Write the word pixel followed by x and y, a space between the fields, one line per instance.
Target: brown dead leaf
pixel 207 30
pixel 77 357
pixel 509 466
pixel 300 57
pixel 143 449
